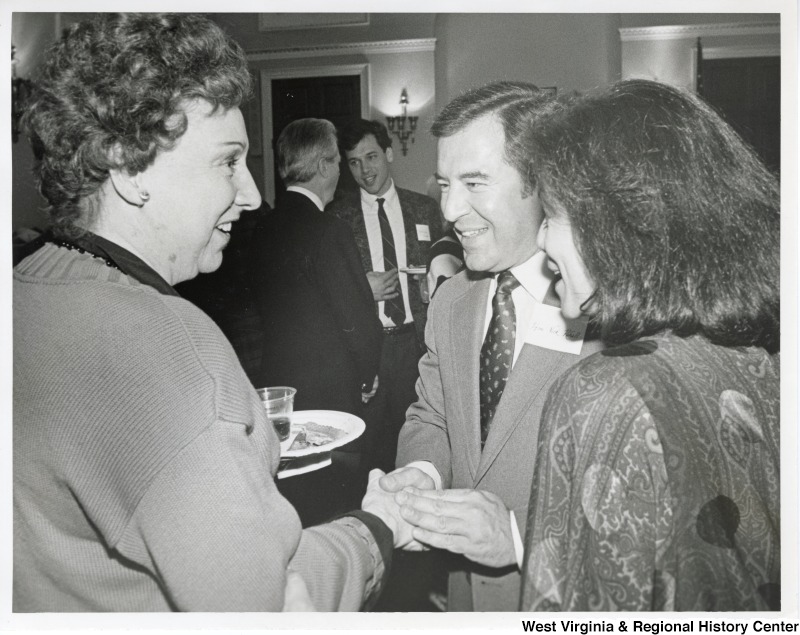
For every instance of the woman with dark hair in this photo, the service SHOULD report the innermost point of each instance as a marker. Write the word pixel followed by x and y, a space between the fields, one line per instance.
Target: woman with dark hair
pixel 657 472
pixel 143 458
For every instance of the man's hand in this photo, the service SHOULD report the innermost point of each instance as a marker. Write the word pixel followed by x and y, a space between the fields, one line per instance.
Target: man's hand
pixel 296 596
pixel 381 503
pixel 406 477
pixel 385 285
pixel 470 522
pixel 366 396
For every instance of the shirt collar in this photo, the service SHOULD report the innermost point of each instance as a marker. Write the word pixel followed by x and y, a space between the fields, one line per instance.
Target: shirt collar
pixel 389 195
pixel 534 276
pixel 314 198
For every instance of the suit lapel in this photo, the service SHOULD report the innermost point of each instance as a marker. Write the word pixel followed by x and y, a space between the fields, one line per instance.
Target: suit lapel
pixel 530 375
pixel 355 217
pixel 466 323
pixel 413 256
pixel 534 372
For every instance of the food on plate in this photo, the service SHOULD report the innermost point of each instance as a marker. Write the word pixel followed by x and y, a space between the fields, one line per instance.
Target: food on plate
pixel 312 434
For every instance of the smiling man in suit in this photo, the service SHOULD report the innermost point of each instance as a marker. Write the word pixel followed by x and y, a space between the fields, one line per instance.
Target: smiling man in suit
pixel 394 229
pixel 461 439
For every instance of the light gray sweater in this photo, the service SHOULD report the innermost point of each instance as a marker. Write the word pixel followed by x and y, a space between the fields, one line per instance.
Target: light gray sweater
pixel 144 462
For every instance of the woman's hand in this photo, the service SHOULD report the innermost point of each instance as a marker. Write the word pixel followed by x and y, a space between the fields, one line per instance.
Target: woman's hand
pixel 296 598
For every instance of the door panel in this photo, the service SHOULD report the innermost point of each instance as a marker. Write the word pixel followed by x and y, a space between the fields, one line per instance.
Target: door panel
pixel 747 92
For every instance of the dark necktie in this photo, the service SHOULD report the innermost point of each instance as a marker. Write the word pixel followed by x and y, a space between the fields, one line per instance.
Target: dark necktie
pixel 497 352
pixel 393 309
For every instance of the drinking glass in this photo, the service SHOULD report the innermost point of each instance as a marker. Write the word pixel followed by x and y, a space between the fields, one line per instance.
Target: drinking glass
pixel 279 402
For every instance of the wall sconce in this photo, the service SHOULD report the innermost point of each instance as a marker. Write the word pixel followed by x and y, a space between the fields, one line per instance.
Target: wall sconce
pixel 403 127
pixel 20 89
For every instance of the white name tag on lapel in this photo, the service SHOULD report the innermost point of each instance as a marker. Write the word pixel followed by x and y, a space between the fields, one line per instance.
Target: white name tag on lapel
pixel 550 329
pixel 424 233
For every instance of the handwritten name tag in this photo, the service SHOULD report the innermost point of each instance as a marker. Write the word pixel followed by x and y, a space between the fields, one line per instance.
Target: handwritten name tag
pixel 550 329
pixel 424 233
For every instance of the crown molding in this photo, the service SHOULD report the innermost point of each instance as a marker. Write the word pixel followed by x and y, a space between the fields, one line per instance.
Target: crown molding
pixel 349 48
pixel 634 34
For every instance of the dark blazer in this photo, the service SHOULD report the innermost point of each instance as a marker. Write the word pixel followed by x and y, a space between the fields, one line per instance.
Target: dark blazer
pixel 322 334
pixel 443 426
pixel 417 209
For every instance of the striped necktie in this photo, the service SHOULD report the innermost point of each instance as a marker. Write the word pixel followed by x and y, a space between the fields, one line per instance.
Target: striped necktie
pixel 394 308
pixel 497 352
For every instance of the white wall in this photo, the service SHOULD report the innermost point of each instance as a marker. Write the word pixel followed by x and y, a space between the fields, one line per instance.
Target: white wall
pixel 570 51
pixel 664 47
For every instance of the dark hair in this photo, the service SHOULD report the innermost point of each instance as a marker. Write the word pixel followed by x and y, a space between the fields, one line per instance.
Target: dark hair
pixel 111 94
pixel 675 218
pixel 301 145
pixel 516 105
pixel 351 134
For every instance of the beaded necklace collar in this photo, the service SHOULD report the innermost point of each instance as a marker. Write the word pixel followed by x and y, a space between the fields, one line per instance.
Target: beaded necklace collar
pixel 117 258
pixel 81 250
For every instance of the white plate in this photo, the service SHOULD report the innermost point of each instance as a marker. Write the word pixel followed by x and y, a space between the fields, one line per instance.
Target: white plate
pixel 304 465
pixel 352 425
pixel 415 271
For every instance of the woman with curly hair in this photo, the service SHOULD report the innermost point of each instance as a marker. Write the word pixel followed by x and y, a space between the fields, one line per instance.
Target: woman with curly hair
pixel 657 473
pixel 143 459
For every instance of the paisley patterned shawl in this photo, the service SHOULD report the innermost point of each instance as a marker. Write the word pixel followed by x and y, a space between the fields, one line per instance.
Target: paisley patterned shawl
pixel 657 482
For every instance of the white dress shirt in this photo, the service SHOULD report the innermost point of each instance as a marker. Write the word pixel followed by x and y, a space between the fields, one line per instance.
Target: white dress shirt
pixel 391 205
pixel 314 198
pixel 535 280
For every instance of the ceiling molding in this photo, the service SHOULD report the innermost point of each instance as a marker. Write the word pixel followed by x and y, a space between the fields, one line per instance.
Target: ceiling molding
pixel 295 21
pixel 348 48
pixel 686 31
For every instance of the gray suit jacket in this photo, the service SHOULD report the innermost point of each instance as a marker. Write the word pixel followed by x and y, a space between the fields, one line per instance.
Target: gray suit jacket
pixel 417 209
pixel 443 425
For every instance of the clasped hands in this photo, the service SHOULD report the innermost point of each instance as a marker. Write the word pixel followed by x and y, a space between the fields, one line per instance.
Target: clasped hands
pixel 474 523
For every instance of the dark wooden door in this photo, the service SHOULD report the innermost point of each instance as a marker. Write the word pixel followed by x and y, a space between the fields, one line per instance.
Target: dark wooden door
pixel 747 92
pixel 336 99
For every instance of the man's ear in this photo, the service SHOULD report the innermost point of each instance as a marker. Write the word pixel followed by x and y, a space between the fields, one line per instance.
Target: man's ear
pixel 389 154
pixel 324 167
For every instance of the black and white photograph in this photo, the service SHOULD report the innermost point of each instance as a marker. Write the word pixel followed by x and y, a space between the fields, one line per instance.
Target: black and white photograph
pixel 442 316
